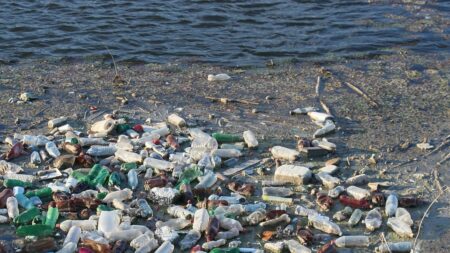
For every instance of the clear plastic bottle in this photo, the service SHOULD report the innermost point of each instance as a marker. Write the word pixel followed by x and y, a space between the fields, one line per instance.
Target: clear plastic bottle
pixel 166 247
pixel 227 153
pixel 403 214
pixel 73 236
pixel 279 152
pixel 277 191
pixel 12 207
pixel 108 222
pixel 357 193
pixel 35 158
pixel 355 217
pixel 190 239
pixel 132 179
pixel 124 235
pixel 174 224
pixel 149 247
pixel 68 248
pixel 124 143
pixel 352 241
pixel 336 191
pixel 24 201
pixel 324 224
pixel 128 157
pixel 391 205
pixel 201 219
pixel 96 150
pixel 180 212
pixel 85 225
pixel 255 217
pixel 228 223
pixel 400 227
pixel 118 195
pixel 207 180
pixel 399 247
pixel 213 244
pixel 232 233
pixel 295 247
pixel 373 219
pixel 141 240
pixel 250 139
pixel 144 209
pixel 158 164
pixel 52 149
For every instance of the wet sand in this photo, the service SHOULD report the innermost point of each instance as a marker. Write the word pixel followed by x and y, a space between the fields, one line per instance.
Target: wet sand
pixel 411 91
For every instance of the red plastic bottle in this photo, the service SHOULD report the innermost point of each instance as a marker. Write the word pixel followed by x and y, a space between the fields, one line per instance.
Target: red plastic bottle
pixel 354 203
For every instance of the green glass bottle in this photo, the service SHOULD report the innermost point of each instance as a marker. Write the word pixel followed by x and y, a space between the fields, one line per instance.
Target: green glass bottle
pixel 52 216
pixel 94 171
pixel 41 193
pixel 80 176
pixel 115 179
pixel 190 174
pixel 225 250
pixel 39 230
pixel 101 195
pixel 121 128
pixel 128 166
pixel 26 216
pixel 223 138
pixel 101 177
pixel 10 183
pixel 101 208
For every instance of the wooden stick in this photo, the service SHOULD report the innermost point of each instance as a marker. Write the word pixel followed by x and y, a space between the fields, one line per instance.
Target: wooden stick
pixel 229 100
pixel 322 103
pixel 360 92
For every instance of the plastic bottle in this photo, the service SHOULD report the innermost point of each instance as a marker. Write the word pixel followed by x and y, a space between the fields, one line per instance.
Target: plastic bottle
pixel 227 153
pixel 176 120
pixel 144 209
pixel 119 195
pixel 373 219
pixel 250 139
pixel 400 227
pixel 201 219
pixel 35 158
pixel 108 222
pixel 52 216
pixel 174 224
pixel 38 230
pixel 68 248
pixel 352 241
pixel 96 150
pixel 358 193
pixel 56 122
pixel 166 247
pixel 354 203
pixel 41 193
pixel 255 217
pixel 26 216
pixel 73 236
pixel 85 225
pixel 124 143
pixel 180 212
pixel 224 138
pixel 52 149
pixel 399 247
pixel 158 164
pixel 296 247
pixel 11 183
pixel 32 140
pixel 206 181
pixel 24 201
pixel 12 207
pixel 403 214
pixel 212 228
pixel 225 250
pixel 321 223
pixel 328 127
pixel 190 239
pixel 41 245
pixel 128 157
pixel 355 217
pixel 149 247
pixel 336 191
pixel 218 77
pixel 279 152
pixel 132 179
pixel 124 235
pixel 213 244
pixel 391 205
pixel 228 223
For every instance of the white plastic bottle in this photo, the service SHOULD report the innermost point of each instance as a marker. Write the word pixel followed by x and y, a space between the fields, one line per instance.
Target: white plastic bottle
pixel 201 219
pixel 352 241
pixel 166 247
pixel 250 139
pixel 108 222
pixel 13 207
pixel 132 179
pixel 52 149
pixel 73 236
pixel 391 205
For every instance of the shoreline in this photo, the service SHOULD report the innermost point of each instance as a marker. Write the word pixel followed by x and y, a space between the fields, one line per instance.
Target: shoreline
pixel 411 92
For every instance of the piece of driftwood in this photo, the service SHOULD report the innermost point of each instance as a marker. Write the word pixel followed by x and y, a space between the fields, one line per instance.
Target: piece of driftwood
pixel 362 93
pixel 318 95
pixel 230 100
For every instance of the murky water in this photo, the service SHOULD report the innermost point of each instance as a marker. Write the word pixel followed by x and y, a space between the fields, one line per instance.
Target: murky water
pixel 225 32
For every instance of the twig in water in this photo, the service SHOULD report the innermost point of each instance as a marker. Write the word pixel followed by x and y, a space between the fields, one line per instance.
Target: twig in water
pixel 383 239
pixel 322 103
pixel 229 100
pixel 362 93
pixel 423 218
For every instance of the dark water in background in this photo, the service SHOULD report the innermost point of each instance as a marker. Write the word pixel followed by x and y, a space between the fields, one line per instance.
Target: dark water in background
pixel 225 32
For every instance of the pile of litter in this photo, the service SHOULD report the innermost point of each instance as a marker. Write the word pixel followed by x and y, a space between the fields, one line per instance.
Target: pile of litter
pixel 153 187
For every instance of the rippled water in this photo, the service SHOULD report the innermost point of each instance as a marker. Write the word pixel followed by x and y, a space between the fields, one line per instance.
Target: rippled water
pixel 225 32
